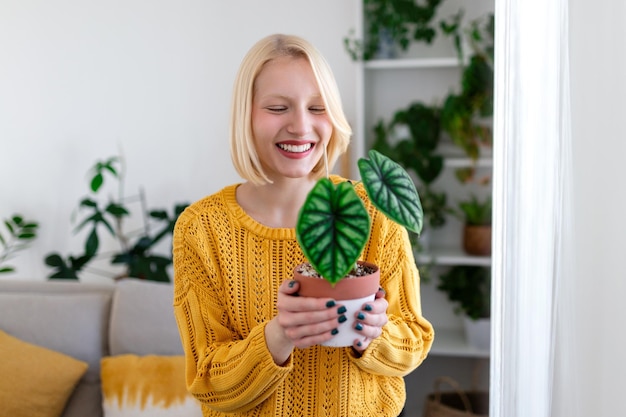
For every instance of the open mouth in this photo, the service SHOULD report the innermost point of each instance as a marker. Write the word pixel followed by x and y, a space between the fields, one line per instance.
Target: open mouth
pixel 295 148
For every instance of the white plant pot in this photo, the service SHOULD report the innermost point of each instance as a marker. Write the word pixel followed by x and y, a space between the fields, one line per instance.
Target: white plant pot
pixel 347 333
pixel 478 332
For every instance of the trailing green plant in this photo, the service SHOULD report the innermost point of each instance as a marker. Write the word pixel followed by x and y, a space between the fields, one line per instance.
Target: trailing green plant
pixel 469 288
pixel 333 224
pixel 19 235
pixel 135 247
pixel 465 116
pixel 475 212
pixel 399 21
pixel 417 153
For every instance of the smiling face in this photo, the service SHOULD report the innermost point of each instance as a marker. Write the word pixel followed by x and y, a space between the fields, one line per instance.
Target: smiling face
pixel 289 120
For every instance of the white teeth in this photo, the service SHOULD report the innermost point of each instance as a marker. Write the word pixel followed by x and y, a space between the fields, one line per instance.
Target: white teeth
pixel 295 148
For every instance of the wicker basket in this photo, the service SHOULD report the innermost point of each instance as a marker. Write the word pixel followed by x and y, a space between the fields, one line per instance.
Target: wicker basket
pixel 457 403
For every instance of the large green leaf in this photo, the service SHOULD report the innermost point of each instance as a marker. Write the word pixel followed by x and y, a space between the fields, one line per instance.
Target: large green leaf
pixel 392 190
pixel 333 227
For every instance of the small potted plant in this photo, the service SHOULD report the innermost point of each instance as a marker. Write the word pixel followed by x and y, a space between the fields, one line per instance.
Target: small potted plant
pixel 476 216
pixel 333 228
pixel 469 287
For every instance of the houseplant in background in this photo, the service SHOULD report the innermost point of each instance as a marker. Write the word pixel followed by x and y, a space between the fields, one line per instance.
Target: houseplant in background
pixel 333 227
pixel 136 247
pixel 476 217
pixel 466 116
pixel 19 234
pixel 391 25
pixel 469 288
pixel 412 138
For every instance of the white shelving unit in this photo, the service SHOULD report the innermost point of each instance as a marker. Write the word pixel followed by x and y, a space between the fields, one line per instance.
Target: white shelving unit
pixel 427 73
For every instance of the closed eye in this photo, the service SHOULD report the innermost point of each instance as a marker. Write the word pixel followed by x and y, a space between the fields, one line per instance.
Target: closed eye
pixel 277 109
pixel 318 109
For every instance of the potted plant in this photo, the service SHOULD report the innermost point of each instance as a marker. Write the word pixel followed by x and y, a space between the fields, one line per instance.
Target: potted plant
pixel 392 24
pixel 136 247
pixel 476 217
pixel 20 233
pixel 333 227
pixel 469 288
pixel 466 115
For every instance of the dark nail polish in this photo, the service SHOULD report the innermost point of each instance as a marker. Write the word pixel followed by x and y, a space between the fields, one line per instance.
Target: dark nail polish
pixel 359 344
pixel 292 283
pixel 367 307
pixel 341 310
pixel 359 326
pixel 330 303
pixel 334 331
pixel 360 316
pixel 341 319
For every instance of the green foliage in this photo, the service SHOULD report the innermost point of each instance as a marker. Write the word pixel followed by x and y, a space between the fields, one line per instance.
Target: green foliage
pixel 403 21
pixel 470 288
pixel 136 247
pixel 475 212
pixel 19 234
pixel 333 228
pixel 417 153
pixel 463 114
pixel 333 224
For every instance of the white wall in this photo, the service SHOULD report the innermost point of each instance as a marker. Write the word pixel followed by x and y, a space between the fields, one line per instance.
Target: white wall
pixel 81 81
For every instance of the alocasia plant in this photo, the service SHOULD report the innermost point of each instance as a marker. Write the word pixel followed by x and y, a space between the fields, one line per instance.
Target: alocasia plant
pixel 333 224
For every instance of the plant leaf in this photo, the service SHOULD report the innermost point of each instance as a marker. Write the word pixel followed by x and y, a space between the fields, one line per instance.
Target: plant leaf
pixel 392 190
pixel 333 228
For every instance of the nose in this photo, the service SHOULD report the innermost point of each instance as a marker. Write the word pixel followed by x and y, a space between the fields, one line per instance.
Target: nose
pixel 300 123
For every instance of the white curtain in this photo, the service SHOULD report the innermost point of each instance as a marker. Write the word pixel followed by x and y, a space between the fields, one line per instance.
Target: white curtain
pixel 559 305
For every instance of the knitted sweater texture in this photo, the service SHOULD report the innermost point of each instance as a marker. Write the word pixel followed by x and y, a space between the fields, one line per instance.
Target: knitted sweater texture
pixel 227 270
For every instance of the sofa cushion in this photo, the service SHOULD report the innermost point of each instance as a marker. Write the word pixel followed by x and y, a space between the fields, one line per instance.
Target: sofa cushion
pixel 66 316
pixel 35 382
pixel 142 319
pixel 150 385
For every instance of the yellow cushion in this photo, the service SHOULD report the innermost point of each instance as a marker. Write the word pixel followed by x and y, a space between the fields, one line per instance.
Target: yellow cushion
pixel 35 381
pixel 150 385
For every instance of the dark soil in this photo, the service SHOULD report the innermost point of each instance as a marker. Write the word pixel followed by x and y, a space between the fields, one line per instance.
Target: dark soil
pixel 307 270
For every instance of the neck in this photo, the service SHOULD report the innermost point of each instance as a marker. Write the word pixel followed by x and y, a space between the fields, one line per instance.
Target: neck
pixel 274 205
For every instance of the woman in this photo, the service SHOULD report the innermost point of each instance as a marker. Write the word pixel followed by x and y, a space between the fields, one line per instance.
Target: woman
pixel 252 345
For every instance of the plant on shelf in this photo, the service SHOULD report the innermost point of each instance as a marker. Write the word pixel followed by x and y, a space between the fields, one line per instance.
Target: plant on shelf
pixel 333 224
pixel 135 247
pixel 466 116
pixel 18 236
pixel 395 22
pixel 476 217
pixel 469 288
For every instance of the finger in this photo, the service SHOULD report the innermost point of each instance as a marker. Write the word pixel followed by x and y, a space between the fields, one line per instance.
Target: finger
pixel 361 344
pixel 381 293
pixel 368 331
pixel 378 306
pixel 289 287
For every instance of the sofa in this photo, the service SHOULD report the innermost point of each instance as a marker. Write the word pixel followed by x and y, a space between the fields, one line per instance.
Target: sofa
pixel 62 335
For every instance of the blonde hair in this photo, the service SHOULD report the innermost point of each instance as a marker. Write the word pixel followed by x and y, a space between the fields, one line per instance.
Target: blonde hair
pixel 243 152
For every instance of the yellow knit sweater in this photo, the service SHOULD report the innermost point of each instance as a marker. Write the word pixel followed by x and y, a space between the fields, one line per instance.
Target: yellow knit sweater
pixel 227 270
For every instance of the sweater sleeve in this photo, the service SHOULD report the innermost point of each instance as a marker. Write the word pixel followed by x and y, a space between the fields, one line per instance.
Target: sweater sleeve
pixel 223 371
pixel 408 336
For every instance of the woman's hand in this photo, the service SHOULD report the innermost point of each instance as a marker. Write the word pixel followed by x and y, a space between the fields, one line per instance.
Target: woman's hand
pixel 301 321
pixel 370 320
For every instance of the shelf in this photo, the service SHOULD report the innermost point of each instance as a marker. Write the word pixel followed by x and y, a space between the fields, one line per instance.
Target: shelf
pixel 412 63
pixel 451 342
pixel 451 256
pixel 452 162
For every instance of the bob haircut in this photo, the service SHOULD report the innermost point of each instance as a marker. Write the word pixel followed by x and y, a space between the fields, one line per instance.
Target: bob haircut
pixel 243 152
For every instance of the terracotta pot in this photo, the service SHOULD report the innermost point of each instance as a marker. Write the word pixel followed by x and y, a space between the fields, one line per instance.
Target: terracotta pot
pixel 351 293
pixel 477 240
